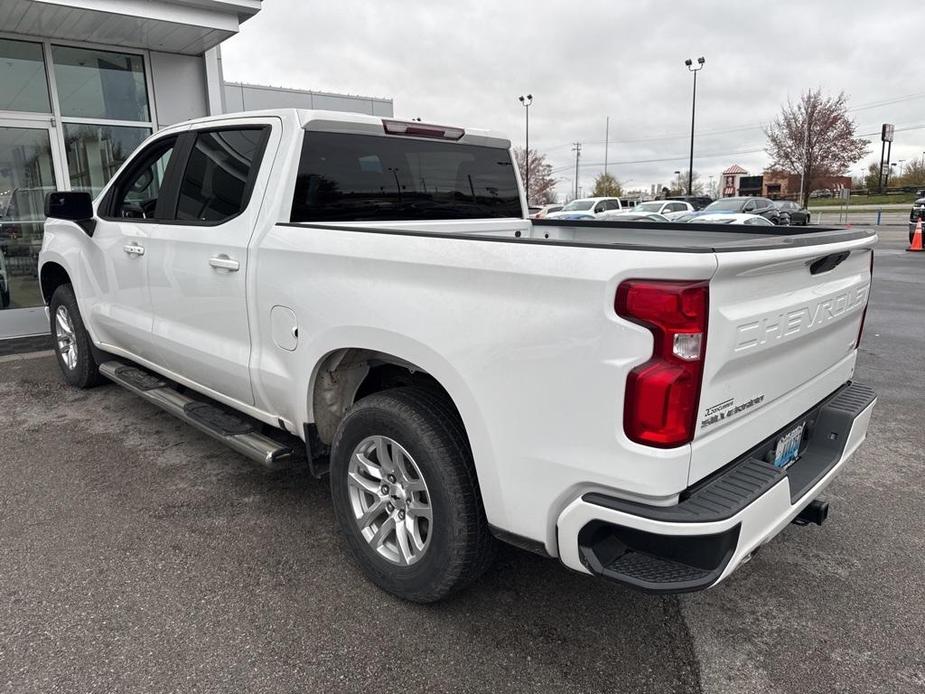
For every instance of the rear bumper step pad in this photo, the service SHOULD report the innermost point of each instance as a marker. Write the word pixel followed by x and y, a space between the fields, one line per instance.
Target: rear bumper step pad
pixel 679 563
pixel 238 432
pixel 732 488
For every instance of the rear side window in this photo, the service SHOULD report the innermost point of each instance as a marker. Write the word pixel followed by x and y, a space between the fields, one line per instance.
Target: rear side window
pixel 220 174
pixel 344 178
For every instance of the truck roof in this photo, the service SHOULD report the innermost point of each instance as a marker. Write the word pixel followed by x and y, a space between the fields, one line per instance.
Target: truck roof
pixel 356 123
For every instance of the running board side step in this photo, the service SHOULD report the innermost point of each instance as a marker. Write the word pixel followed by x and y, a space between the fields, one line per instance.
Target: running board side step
pixel 238 432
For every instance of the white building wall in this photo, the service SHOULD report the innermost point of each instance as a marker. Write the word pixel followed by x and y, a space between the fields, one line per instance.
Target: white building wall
pixel 250 97
pixel 180 91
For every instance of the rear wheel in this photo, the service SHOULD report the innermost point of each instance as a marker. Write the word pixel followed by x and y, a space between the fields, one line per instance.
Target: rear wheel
pixel 73 347
pixel 406 497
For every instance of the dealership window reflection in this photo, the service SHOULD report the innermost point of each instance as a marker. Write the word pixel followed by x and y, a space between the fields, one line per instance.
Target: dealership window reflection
pixel 22 76
pixel 95 152
pixel 26 174
pixel 100 84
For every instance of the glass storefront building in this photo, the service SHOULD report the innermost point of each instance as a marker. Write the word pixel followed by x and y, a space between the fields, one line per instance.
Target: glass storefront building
pixel 81 88
pixel 71 115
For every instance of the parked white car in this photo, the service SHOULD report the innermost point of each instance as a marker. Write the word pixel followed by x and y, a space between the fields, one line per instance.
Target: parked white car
pixel 664 207
pixel 587 206
pixel 369 294
pixel 733 218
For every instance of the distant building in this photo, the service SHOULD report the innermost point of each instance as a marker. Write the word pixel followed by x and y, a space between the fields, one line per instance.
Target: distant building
pixel 254 97
pixel 780 184
pixel 730 181
pixel 774 184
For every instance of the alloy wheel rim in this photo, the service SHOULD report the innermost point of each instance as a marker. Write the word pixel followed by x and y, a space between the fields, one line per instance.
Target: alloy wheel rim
pixel 390 500
pixel 64 333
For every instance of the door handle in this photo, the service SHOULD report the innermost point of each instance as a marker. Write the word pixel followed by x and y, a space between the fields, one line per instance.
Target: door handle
pixel 134 249
pixel 223 262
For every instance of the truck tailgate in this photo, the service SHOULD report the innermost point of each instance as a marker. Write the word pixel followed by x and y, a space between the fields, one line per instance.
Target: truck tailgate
pixel 782 335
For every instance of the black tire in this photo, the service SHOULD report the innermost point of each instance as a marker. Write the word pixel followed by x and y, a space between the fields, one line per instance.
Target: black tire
pixel 83 371
pixel 461 546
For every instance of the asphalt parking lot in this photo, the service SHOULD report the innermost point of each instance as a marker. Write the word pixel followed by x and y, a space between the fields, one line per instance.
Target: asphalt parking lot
pixel 135 556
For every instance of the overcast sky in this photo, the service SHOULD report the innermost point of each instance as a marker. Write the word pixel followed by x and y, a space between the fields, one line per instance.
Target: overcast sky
pixel 465 63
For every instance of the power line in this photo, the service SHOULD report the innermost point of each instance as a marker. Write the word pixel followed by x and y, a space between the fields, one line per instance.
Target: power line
pixel 683 157
pixel 739 128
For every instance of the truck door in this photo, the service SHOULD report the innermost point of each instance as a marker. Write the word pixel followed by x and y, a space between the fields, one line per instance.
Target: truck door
pixel 198 263
pixel 119 311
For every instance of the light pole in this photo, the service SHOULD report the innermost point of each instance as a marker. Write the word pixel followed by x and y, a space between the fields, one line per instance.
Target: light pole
pixel 525 101
pixel 695 70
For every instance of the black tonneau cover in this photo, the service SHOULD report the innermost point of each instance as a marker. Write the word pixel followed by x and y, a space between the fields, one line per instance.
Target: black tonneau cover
pixel 691 237
pixel 635 236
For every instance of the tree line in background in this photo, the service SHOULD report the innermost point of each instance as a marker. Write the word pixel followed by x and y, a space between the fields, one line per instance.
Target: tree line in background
pixel 912 175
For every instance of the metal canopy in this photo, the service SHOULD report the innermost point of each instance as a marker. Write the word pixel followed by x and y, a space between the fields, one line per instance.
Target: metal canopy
pixel 174 26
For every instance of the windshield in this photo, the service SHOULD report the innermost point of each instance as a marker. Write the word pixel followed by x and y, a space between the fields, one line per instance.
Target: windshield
pixel 729 205
pixel 576 205
pixel 648 207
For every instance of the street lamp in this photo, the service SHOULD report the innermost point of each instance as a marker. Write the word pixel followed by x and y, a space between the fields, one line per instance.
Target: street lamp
pixel 695 70
pixel 525 101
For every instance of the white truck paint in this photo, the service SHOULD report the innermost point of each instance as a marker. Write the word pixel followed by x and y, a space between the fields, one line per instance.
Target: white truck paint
pixel 514 320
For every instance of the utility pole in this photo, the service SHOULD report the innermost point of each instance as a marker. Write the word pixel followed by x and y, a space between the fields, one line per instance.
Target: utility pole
pixel 606 143
pixel 695 70
pixel 576 148
pixel 803 199
pixel 525 101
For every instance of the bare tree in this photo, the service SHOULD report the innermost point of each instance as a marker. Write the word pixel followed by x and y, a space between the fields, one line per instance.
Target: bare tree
pixel 542 184
pixel 815 138
pixel 679 186
pixel 606 186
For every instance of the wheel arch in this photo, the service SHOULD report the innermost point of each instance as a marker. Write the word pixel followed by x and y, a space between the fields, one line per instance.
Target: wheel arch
pixel 51 276
pixel 343 375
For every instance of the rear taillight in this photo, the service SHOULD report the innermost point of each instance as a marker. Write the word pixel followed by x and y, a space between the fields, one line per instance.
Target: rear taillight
pixel 857 344
pixel 663 394
pixel 415 129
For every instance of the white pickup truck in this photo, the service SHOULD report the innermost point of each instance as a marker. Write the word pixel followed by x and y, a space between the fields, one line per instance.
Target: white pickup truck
pixel 647 403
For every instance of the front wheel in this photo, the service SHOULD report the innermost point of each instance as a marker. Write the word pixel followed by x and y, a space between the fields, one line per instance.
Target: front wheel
pixel 406 496
pixel 72 341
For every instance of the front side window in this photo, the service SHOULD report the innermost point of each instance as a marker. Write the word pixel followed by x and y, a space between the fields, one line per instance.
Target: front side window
pixel 378 178
pixel 100 84
pixel 219 174
pixel 137 192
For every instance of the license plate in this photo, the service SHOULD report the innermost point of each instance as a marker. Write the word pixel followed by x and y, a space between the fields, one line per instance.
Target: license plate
pixel 788 447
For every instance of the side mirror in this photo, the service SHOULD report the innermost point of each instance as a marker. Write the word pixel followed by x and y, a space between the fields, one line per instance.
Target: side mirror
pixel 74 206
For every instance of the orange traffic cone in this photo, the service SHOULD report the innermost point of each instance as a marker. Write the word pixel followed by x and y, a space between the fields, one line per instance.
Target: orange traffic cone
pixel 916 244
